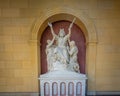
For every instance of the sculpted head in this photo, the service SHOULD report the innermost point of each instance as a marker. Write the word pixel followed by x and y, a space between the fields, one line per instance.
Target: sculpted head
pixel 61 33
pixel 48 41
pixel 72 43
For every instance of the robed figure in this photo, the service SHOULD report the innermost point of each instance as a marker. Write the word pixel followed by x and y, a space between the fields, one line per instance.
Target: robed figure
pixel 61 52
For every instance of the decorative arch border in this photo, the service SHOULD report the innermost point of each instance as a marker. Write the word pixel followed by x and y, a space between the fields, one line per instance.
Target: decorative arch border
pixel 87 26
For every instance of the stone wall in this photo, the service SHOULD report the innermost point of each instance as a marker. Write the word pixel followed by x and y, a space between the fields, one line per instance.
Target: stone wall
pixel 18 68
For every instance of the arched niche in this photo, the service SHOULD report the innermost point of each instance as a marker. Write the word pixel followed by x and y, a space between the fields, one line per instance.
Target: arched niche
pixel 83 21
pixel 76 35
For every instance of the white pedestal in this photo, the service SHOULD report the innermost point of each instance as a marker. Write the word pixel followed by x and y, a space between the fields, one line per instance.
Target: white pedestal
pixel 62 83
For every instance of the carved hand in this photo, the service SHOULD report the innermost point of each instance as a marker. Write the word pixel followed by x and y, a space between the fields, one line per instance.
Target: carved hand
pixel 71 24
pixel 49 24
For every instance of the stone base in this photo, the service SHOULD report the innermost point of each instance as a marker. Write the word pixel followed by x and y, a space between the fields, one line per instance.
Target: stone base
pixel 19 94
pixel 62 83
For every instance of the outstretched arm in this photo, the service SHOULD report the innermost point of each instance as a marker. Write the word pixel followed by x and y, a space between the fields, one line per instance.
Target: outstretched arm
pixel 52 31
pixel 69 29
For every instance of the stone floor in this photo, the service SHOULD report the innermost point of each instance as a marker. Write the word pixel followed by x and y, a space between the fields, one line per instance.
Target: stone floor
pixel 102 95
pixel 36 94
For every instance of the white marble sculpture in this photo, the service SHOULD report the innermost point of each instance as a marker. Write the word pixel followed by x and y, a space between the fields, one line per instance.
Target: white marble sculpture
pixel 61 52
pixel 63 77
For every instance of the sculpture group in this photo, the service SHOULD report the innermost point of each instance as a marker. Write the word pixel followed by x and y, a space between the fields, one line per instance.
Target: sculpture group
pixel 61 52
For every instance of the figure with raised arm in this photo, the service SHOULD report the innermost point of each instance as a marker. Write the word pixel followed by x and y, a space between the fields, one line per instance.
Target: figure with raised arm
pixel 61 49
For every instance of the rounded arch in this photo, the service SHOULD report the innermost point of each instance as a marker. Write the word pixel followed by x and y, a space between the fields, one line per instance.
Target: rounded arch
pixel 63 13
pixel 77 35
pixel 83 21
